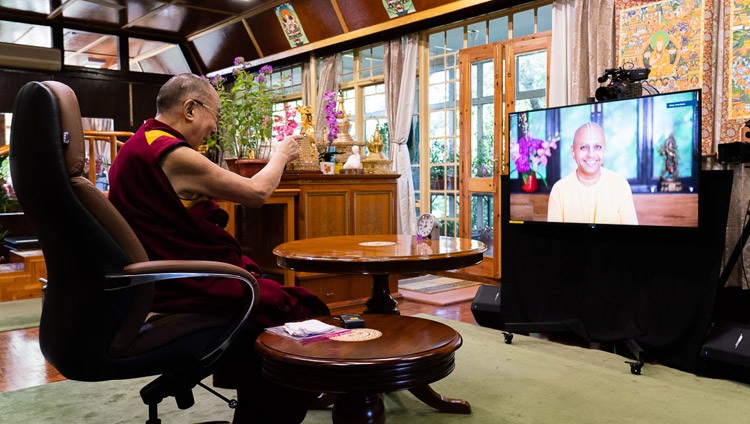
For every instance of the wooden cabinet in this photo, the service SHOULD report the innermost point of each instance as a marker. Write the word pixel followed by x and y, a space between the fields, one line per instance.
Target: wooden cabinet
pixel 317 205
pixel 337 205
pixel 20 278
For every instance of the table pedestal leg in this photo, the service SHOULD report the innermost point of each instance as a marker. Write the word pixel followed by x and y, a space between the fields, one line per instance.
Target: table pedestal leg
pixel 440 402
pixel 359 408
pixel 381 301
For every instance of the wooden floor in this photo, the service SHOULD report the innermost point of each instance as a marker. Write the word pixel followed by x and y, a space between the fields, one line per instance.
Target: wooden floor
pixel 22 364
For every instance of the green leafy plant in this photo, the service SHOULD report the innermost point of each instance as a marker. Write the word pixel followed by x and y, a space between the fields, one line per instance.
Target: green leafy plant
pixel 246 118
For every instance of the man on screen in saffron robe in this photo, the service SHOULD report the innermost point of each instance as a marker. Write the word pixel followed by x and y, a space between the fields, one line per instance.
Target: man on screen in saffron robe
pixel 591 194
pixel 165 189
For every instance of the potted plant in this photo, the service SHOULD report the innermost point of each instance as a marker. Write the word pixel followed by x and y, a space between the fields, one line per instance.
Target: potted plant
pixel 245 124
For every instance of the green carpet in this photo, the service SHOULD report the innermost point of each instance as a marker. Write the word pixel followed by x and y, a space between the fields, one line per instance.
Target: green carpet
pixel 528 381
pixel 18 314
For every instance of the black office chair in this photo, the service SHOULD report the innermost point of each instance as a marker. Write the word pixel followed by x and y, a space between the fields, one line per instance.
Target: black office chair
pixel 100 282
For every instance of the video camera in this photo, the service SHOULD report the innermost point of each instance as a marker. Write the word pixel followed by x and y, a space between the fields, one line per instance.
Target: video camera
pixel 623 83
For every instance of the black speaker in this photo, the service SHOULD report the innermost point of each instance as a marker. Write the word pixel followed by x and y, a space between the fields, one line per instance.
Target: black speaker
pixel 726 351
pixel 486 307
pixel 728 343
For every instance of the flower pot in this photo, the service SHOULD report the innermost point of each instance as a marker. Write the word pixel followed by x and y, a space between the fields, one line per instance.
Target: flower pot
pixel 232 165
pixel 530 183
pixel 250 167
pixel 328 167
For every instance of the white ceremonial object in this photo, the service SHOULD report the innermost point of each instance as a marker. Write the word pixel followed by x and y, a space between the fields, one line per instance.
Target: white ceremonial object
pixel 353 161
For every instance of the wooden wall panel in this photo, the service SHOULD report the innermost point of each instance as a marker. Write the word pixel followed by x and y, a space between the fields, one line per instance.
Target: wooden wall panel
pixel 361 14
pixel 318 19
pixel 144 106
pixel 11 82
pixel 268 33
pixel 100 98
pixel 218 49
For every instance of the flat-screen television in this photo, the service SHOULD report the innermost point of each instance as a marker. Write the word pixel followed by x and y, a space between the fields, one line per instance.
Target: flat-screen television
pixel 633 161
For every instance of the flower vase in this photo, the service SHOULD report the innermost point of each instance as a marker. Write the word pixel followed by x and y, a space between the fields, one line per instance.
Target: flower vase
pixel 530 183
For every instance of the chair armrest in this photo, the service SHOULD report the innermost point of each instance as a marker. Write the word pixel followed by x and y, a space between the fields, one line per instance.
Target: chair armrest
pixel 154 271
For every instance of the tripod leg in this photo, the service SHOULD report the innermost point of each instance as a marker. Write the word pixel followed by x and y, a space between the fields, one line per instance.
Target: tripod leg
pixel 736 252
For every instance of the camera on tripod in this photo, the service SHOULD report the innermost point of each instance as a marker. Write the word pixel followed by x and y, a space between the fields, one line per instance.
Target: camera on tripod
pixel 622 83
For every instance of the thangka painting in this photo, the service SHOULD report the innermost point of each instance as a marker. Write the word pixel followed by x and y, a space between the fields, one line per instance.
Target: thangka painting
pixel 673 38
pixel 667 38
pixel 739 60
pixel 396 8
pixel 291 26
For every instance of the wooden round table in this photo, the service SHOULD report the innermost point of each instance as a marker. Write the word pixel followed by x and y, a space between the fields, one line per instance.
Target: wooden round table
pixel 379 255
pixel 411 353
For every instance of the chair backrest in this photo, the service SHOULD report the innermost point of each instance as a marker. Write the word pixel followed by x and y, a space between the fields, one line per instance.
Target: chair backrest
pixel 81 234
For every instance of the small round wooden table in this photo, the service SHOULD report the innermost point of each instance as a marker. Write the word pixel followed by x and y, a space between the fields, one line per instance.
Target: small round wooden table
pixel 379 255
pixel 411 353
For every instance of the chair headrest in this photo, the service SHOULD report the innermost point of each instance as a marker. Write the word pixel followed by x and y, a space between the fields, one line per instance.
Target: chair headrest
pixel 70 120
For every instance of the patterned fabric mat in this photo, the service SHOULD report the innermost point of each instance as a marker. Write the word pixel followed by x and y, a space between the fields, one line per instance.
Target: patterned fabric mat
pixel 433 284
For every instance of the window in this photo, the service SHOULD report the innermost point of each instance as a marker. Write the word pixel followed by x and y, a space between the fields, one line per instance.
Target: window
pixel 442 92
pixel 531 81
pixel 361 83
pixel 289 81
pixel 442 86
pixel 93 50
pixel 27 34
pixel 156 57
pixel 88 49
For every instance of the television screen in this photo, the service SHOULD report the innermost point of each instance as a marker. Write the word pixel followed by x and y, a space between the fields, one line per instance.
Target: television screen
pixel 632 161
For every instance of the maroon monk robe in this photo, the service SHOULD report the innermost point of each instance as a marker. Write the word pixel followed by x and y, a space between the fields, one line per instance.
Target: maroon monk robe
pixel 171 228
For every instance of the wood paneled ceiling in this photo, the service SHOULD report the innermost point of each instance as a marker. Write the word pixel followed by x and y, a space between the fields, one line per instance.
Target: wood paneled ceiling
pixel 212 33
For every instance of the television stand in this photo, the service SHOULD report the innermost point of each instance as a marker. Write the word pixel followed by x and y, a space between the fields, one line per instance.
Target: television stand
pixel 557 327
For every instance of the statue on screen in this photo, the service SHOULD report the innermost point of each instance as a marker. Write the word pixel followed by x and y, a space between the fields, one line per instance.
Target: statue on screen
pixel 670 173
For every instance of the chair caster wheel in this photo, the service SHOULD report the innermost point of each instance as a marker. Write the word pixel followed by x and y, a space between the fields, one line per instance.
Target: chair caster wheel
pixel 508 337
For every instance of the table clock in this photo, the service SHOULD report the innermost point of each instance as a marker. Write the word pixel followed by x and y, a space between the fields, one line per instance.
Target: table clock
pixel 428 226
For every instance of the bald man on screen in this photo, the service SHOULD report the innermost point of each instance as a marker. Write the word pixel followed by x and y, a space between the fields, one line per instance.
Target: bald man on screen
pixel 591 194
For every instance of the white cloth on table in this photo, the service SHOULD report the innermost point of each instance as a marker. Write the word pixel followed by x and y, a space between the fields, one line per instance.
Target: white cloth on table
pixel 311 327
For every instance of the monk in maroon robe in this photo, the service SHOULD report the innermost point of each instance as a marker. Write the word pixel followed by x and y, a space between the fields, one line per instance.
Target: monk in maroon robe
pixel 164 188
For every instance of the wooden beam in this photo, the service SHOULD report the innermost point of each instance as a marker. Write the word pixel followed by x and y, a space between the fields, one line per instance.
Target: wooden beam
pixel 252 38
pixel 339 15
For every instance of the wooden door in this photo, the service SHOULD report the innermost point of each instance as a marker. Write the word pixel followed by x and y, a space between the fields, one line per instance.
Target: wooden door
pixel 496 79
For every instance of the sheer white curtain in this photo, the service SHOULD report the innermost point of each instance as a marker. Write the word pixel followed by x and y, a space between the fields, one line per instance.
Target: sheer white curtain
pixel 98 124
pixel 400 74
pixel 326 82
pixel 594 46
pixel 306 84
pixel 561 58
